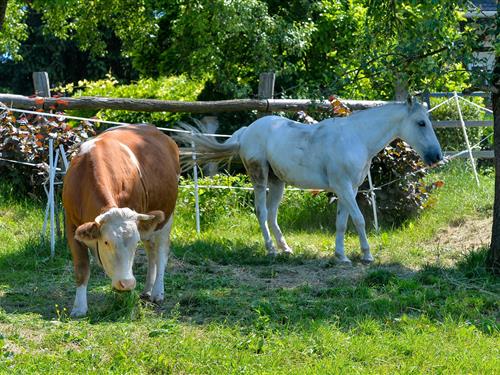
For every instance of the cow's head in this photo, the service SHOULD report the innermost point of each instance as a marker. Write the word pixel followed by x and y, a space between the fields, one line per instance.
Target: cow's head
pixel 114 236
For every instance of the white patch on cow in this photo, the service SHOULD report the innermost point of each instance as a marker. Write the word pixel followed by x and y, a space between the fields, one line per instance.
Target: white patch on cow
pixel 118 242
pixel 132 157
pixel 80 306
pixel 160 242
pixel 87 146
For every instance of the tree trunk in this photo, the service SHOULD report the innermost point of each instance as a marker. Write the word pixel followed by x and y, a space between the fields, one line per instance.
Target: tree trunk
pixel 400 88
pixel 493 260
pixel 3 10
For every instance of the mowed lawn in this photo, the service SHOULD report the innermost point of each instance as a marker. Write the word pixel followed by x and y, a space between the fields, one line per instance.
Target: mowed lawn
pixel 425 306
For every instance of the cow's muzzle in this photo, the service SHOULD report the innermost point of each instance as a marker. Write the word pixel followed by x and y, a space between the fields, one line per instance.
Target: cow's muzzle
pixel 124 284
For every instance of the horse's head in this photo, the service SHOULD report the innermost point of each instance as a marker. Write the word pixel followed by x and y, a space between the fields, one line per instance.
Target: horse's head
pixel 417 131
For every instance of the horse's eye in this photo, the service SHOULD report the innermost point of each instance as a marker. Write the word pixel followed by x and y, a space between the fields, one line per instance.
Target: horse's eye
pixel 106 243
pixel 421 123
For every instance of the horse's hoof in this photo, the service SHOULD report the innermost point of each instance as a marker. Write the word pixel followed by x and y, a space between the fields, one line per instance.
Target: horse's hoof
pixel 271 250
pixel 342 260
pixel 368 259
pixel 78 313
pixel 287 251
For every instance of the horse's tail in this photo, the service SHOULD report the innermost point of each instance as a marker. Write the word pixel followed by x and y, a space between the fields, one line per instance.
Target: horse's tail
pixel 206 147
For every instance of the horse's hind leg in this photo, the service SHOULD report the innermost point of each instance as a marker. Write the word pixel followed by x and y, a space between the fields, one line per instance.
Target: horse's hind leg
pixel 276 188
pixel 258 174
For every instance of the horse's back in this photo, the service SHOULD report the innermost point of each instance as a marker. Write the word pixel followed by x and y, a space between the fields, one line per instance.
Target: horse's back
pixel 293 151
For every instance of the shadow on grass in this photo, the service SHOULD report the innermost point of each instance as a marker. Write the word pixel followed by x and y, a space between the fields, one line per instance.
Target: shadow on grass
pixel 233 283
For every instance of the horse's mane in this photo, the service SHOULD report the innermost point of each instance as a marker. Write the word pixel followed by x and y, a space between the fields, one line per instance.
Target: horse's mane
pixel 385 107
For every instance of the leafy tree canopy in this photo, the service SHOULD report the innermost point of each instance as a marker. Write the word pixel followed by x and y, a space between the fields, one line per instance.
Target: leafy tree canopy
pixel 355 48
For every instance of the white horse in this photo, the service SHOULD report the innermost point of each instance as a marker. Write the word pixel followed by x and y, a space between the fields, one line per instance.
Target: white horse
pixel 333 155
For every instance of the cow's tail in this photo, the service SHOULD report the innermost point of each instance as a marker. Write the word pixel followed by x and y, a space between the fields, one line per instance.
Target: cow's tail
pixel 206 147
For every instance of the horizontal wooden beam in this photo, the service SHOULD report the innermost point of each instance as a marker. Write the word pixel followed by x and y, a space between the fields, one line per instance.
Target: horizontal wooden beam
pixel 456 124
pixel 481 154
pixel 152 105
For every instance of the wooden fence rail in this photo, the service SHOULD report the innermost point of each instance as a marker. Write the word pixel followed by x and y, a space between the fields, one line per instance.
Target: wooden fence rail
pixel 152 105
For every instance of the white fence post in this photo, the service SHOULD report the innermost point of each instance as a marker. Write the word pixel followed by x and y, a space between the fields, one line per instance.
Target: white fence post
pixel 464 130
pixel 374 202
pixel 51 196
pixel 196 192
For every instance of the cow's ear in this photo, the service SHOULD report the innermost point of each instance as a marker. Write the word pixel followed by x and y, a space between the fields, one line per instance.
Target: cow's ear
pixel 147 223
pixel 88 232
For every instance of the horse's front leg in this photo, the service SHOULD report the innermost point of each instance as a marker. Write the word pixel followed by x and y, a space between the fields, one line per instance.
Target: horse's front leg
pixel 341 226
pixel 347 198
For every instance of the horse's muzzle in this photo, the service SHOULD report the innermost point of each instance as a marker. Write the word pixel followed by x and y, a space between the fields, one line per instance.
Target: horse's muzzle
pixel 431 158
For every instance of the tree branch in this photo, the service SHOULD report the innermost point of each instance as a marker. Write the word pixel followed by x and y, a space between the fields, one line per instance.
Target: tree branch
pixel 3 10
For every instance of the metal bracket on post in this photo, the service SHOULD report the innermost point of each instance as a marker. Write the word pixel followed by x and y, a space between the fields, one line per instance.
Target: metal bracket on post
pixel 464 130
pixel 196 192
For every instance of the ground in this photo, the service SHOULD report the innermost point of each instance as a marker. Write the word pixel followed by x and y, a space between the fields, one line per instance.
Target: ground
pixel 426 305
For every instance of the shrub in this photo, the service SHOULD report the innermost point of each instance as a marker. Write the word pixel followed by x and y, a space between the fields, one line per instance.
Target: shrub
pixel 26 139
pixel 163 88
pixel 408 193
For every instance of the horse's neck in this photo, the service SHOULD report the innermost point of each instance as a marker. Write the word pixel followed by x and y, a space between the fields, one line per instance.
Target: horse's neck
pixel 381 129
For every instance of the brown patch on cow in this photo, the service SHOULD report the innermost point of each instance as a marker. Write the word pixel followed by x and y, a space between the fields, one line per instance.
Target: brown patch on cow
pixel 88 231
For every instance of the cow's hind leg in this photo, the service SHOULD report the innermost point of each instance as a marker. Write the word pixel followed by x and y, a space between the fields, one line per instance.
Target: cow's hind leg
pixel 258 172
pixel 276 188
pixel 161 244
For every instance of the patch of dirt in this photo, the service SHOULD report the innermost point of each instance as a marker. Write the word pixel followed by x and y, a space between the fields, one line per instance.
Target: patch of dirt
pixel 466 234
pixel 317 273
pixel 460 237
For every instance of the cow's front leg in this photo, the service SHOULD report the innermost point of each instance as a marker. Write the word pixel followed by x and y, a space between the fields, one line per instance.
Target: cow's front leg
pixel 151 275
pixel 161 243
pixel 81 267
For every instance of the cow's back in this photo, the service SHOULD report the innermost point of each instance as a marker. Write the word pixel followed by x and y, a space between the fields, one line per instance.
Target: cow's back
pixel 135 166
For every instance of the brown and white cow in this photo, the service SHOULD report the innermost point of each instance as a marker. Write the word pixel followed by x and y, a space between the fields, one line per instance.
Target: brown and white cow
pixel 120 188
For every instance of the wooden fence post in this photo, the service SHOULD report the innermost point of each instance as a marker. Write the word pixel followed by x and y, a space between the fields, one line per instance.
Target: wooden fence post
pixel 41 83
pixel 266 89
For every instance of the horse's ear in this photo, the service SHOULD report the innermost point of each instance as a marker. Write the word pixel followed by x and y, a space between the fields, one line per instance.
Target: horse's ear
pixel 410 100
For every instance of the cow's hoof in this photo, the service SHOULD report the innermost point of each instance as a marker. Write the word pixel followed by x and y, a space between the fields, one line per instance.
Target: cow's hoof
pixel 78 313
pixel 342 260
pixel 158 299
pixel 145 296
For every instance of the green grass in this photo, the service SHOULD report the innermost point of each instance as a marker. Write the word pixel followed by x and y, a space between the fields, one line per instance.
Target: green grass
pixel 423 307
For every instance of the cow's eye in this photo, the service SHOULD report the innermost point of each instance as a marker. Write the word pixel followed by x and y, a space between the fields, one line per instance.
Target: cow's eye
pixel 421 124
